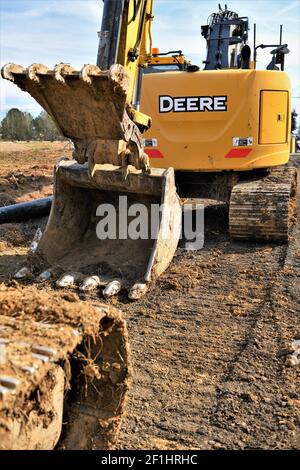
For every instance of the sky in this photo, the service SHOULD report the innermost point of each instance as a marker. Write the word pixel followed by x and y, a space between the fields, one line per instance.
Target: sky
pixel 53 31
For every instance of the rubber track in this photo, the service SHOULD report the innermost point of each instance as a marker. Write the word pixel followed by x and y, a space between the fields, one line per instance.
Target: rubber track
pixel 262 209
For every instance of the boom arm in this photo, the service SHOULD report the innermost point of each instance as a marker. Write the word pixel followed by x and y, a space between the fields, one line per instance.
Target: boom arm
pixel 125 37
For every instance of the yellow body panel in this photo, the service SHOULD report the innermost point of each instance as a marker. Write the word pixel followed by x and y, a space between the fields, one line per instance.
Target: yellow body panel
pixel 273 117
pixel 204 140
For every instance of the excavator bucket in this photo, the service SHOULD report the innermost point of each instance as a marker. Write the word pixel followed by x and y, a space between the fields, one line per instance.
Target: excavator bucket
pixel 109 174
pixel 74 246
pixel 85 104
pixel 64 371
pixel 89 107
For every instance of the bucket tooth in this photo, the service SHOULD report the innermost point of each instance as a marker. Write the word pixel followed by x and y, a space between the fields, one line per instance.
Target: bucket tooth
pixel 8 382
pixel 44 276
pixel 68 280
pixel 40 357
pixel 23 273
pixel 90 283
pixel 61 70
pixel 30 369
pixel 88 71
pixel 138 290
pixel 119 77
pixel 10 69
pixel 44 350
pixel 112 288
pixel 34 70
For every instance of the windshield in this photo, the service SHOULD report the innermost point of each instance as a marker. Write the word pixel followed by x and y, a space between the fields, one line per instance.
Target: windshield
pixel 163 68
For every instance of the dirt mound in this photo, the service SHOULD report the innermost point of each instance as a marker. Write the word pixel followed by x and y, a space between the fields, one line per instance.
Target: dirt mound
pixel 52 343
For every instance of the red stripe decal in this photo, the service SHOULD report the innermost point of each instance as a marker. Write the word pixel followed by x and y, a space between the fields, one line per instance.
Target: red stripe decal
pixel 238 153
pixel 154 153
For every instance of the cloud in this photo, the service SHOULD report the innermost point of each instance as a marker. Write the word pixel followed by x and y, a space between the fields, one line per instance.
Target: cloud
pixel 289 7
pixel 85 9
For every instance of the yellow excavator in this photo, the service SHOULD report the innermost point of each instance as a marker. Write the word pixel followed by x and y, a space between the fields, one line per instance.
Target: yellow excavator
pixel 224 130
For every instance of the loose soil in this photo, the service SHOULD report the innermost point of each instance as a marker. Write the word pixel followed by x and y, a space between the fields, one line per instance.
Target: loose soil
pixel 209 342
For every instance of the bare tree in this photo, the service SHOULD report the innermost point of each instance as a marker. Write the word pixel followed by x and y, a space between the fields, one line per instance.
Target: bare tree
pixel 17 125
pixel 45 128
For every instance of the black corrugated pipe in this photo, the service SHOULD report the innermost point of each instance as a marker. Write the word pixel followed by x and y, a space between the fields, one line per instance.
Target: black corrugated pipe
pixel 25 210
